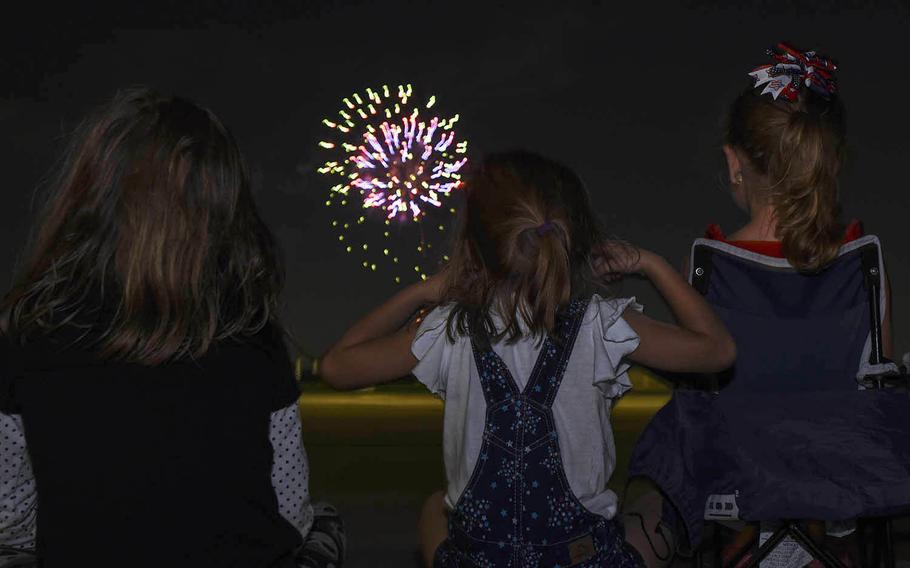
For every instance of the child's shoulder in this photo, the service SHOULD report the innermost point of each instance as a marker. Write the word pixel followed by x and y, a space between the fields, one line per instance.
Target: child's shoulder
pixel 852 231
pixel 609 340
pixel 435 319
pixel 432 326
pixel 606 311
pixel 601 311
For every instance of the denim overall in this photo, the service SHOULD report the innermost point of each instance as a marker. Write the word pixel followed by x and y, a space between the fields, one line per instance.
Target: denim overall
pixel 518 510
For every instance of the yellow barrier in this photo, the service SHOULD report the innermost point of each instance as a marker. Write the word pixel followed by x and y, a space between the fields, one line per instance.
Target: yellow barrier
pixel 648 394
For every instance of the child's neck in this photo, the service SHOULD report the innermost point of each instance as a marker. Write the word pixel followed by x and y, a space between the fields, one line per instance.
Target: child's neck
pixel 761 227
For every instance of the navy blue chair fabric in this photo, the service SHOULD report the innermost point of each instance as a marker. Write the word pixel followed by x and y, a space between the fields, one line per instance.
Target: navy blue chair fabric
pixel 793 332
pixel 788 434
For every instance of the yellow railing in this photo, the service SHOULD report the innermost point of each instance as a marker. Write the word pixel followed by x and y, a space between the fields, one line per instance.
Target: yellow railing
pixel 644 382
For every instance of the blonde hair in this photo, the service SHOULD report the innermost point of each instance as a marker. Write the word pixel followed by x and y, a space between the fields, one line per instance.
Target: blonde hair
pixel 797 148
pixel 524 247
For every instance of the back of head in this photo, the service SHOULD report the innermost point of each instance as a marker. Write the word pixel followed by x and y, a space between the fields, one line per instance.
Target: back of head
pixel 794 149
pixel 149 239
pixel 524 247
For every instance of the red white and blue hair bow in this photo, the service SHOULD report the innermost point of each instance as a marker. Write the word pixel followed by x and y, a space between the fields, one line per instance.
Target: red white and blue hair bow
pixel 792 70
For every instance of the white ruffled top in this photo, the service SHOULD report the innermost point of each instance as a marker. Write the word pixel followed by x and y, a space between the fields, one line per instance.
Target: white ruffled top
pixel 596 376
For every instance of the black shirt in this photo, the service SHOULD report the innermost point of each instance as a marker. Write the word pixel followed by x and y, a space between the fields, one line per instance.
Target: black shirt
pixel 153 466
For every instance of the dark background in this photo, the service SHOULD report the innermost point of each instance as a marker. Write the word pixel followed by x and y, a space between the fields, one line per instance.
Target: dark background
pixel 630 94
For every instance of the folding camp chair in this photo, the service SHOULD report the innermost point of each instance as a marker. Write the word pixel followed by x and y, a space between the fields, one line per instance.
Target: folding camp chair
pixel 801 426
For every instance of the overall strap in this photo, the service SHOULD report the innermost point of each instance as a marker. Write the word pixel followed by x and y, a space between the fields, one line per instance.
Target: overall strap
pixel 495 378
pixel 543 384
pixel 546 376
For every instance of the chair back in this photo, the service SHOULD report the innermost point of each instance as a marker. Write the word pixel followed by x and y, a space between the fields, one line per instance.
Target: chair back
pixel 794 331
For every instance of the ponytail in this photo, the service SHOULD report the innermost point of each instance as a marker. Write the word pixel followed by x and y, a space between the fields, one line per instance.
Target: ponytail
pixel 805 201
pixel 535 256
pixel 797 148
pixel 523 250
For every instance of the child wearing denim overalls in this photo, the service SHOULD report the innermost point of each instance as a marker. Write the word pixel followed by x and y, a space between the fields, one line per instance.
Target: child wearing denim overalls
pixel 529 360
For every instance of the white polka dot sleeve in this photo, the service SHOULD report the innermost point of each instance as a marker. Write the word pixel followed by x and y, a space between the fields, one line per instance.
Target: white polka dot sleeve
pixel 18 499
pixel 290 470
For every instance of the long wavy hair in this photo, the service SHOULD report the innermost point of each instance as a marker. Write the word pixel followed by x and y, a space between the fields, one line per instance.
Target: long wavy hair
pixel 524 248
pixel 795 151
pixel 149 240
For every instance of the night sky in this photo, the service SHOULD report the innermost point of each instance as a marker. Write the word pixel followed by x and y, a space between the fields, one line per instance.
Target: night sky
pixel 630 95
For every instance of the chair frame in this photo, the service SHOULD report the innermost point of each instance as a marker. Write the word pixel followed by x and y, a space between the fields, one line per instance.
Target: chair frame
pixel 700 268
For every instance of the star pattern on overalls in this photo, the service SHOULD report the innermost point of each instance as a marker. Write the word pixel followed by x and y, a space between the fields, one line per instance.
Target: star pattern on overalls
pixel 520 474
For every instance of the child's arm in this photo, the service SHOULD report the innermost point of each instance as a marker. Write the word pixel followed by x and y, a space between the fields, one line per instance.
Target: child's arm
pixel 377 349
pixel 18 497
pixel 700 343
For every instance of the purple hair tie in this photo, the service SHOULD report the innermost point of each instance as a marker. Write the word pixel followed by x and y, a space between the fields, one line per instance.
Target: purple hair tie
pixel 544 228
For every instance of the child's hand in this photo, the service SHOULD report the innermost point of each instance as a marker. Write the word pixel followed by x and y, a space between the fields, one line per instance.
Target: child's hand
pixel 613 260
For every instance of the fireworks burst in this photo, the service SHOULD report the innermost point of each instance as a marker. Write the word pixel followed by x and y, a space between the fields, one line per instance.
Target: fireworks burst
pixel 395 168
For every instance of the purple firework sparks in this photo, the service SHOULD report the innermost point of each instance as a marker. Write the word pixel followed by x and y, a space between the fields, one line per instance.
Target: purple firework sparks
pixel 387 157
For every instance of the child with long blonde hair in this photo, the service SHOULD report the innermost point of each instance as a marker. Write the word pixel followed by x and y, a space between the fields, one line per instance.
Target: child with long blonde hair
pixel 784 145
pixel 784 148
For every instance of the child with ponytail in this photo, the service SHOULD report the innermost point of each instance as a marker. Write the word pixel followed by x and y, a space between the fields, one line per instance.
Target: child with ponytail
pixel 784 146
pixel 529 360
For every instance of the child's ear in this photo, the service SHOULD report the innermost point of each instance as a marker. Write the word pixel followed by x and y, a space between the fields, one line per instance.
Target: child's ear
pixel 734 166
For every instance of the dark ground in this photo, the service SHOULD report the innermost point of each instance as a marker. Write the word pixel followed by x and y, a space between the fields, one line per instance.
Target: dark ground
pixel 379 480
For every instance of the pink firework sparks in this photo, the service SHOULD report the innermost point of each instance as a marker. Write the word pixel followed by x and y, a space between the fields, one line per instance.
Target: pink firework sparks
pixel 396 160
